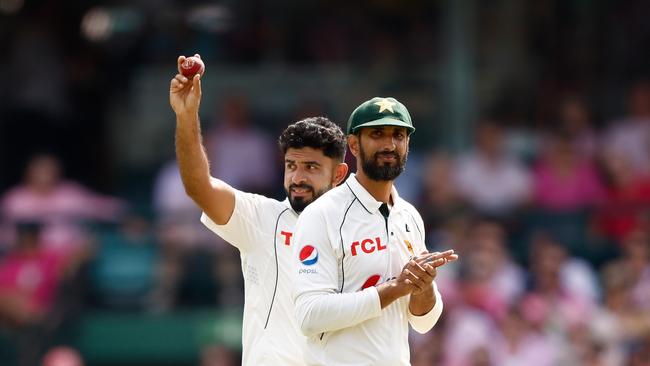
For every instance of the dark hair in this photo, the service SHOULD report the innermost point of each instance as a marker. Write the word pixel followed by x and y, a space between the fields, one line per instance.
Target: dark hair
pixel 315 132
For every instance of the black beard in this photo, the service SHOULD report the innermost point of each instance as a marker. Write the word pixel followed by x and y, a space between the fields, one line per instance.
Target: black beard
pixel 300 203
pixel 386 172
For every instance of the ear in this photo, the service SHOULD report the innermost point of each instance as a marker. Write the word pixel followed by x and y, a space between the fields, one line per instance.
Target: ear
pixel 340 172
pixel 353 145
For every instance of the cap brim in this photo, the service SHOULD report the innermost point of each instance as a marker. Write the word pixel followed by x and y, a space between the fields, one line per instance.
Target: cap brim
pixel 386 121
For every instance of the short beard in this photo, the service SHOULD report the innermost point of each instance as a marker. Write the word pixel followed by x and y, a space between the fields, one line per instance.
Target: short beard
pixel 300 203
pixel 376 171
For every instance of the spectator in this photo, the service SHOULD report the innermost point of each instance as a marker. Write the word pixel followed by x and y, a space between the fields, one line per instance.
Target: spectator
pixel 467 330
pixel 490 279
pixel 179 232
pixel 629 136
pixel 489 283
pixel 517 343
pixel 30 277
pixel 564 179
pixel 634 267
pixel 440 202
pixel 176 213
pixel 620 322
pixel 235 136
pixel 196 268
pixel 125 269
pixel 489 180
pixel 637 259
pixel 575 119
pixel 563 292
pixel 61 205
pixel 627 199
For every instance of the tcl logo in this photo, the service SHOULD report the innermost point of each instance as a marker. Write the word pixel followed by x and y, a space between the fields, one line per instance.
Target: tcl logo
pixel 367 246
pixel 287 237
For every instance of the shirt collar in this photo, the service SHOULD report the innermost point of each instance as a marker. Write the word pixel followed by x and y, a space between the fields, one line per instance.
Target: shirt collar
pixel 287 204
pixel 366 199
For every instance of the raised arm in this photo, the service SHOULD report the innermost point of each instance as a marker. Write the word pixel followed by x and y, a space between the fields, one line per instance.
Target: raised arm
pixel 215 197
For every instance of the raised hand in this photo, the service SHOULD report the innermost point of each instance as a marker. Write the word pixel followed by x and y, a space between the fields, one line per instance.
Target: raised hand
pixel 185 94
pixel 421 270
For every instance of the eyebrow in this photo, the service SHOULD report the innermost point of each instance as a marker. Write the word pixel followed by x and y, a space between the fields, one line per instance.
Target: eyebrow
pixel 302 162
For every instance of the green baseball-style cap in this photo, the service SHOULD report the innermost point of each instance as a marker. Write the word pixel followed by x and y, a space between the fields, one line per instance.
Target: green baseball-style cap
pixel 380 112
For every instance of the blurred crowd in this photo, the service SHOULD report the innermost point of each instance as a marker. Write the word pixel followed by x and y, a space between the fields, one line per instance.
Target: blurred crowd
pixel 552 226
pixel 548 206
pixel 554 241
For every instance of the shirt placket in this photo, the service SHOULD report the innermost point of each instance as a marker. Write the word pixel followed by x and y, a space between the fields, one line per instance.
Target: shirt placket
pixel 393 248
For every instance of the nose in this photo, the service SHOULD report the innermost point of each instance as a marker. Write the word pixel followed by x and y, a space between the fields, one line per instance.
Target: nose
pixel 299 176
pixel 390 144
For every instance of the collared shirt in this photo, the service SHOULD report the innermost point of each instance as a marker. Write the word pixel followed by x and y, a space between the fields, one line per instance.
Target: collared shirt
pixel 262 229
pixel 343 248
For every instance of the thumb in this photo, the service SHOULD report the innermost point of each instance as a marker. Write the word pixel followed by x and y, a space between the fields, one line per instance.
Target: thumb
pixel 179 62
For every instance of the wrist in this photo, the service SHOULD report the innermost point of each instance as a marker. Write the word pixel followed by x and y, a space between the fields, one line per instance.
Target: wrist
pixel 390 291
pixel 421 303
pixel 187 116
pixel 428 292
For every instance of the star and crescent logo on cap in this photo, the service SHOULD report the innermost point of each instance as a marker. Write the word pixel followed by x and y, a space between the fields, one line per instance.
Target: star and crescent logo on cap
pixel 385 105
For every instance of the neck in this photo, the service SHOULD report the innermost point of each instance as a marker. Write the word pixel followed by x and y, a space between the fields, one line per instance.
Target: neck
pixel 379 190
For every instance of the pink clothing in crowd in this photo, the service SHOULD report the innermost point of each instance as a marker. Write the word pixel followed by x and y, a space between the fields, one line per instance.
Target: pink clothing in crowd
pixel 61 208
pixel 578 189
pixel 530 349
pixel 35 276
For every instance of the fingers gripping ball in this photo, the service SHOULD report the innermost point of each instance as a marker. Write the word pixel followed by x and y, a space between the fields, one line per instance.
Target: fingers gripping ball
pixel 192 66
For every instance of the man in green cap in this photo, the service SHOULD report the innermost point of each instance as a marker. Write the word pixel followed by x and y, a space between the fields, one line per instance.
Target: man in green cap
pixel 362 269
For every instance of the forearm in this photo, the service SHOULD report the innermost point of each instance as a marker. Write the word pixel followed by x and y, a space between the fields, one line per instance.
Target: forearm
pixel 191 156
pixel 325 312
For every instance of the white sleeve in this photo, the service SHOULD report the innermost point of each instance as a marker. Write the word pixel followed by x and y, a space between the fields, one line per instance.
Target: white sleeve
pixel 243 227
pixel 424 323
pixel 319 305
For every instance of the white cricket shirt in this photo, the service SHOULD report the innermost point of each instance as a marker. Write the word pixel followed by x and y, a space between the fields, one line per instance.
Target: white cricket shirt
pixel 262 229
pixel 344 247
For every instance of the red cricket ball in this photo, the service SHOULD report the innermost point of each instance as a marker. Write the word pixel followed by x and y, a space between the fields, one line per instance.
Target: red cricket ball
pixel 192 66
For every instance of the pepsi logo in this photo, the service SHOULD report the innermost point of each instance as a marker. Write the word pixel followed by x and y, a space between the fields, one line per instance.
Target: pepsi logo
pixel 308 255
pixel 371 281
